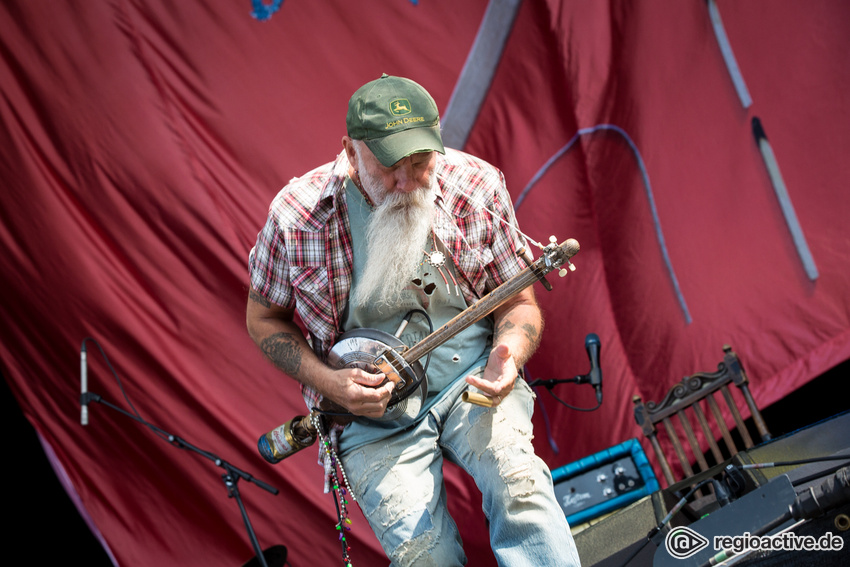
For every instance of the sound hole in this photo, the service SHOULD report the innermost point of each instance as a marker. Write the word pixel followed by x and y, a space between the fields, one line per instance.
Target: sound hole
pixel 359 349
pixel 361 360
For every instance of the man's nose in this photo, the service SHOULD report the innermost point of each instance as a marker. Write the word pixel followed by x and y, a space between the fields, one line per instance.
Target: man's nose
pixel 405 177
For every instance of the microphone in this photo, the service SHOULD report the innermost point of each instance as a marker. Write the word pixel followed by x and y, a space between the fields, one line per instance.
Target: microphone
pixel 593 347
pixel 84 402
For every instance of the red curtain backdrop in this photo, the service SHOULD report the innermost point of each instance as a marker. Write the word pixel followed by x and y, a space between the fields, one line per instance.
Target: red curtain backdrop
pixel 143 140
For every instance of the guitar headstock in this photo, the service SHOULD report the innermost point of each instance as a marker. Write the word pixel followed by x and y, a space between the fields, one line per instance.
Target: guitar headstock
pixel 555 255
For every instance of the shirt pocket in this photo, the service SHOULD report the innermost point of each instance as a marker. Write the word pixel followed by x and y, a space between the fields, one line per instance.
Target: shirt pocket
pixel 313 300
pixel 309 281
pixel 472 262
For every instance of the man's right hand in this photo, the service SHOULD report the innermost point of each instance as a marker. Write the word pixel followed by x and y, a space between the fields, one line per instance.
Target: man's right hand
pixel 360 392
pixel 354 389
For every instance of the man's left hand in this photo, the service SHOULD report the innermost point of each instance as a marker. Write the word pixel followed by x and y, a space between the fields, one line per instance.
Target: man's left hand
pixel 499 375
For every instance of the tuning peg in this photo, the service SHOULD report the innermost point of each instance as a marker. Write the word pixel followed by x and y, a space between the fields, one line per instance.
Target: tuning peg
pixel 553 240
pixel 563 272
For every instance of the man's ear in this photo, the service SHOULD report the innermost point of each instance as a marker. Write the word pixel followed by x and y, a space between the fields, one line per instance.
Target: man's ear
pixel 348 145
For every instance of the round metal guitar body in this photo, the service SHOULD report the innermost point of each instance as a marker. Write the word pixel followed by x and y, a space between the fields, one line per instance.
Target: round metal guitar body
pixel 359 348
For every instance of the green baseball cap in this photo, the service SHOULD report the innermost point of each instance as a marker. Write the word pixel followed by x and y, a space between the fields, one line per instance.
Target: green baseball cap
pixel 395 117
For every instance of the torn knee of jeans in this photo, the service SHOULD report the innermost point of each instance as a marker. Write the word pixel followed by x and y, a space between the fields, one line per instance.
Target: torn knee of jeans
pixel 508 445
pixel 417 538
pixel 395 506
pixel 364 470
pixel 516 470
pixel 493 430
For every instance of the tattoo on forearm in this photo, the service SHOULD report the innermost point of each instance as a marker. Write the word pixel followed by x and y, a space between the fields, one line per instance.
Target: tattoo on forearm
pixel 532 334
pixel 257 298
pixel 529 330
pixel 504 328
pixel 285 351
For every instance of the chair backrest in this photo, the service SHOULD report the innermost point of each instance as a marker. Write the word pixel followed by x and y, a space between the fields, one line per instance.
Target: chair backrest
pixel 692 396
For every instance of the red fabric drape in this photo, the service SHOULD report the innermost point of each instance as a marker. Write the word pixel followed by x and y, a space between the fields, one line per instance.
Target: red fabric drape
pixel 143 140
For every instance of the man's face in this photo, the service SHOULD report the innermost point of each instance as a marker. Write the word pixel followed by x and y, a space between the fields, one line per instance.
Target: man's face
pixel 406 175
pixel 398 227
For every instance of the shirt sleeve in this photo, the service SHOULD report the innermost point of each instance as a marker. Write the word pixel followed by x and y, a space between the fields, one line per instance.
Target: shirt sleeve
pixel 269 266
pixel 507 239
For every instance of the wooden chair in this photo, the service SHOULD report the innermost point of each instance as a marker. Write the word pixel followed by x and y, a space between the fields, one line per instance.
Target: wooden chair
pixel 691 396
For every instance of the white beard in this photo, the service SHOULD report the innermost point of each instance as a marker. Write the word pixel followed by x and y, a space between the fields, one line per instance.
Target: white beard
pixel 395 240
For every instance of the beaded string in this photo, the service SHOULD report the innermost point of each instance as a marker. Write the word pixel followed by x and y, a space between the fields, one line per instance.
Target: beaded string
pixel 356 181
pixel 340 490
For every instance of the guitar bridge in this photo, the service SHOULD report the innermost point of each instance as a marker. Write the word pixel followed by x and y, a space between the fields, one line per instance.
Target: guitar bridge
pixel 396 368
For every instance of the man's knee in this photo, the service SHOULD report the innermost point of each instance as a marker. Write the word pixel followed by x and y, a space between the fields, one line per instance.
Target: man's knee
pixel 417 541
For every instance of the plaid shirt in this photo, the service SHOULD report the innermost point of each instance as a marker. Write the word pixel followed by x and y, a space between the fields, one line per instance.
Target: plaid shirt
pixel 303 257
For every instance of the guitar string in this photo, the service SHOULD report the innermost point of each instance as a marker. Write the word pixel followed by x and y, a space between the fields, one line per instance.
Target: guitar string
pixel 498 218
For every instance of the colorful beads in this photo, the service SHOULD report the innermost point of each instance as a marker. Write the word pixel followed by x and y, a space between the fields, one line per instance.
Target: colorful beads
pixel 340 490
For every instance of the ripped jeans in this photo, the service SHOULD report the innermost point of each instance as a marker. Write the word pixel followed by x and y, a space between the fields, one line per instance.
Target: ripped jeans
pixel 398 483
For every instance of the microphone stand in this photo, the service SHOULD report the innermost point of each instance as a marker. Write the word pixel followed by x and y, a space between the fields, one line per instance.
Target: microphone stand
pixel 552 382
pixel 594 377
pixel 231 476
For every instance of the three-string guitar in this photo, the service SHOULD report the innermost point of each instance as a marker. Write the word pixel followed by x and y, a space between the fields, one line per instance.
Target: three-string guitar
pixel 372 348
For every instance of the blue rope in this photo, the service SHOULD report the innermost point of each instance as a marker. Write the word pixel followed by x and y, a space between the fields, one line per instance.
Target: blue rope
pixel 644 177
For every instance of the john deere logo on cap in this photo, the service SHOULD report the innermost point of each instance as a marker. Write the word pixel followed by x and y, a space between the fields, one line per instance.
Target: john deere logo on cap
pixel 400 107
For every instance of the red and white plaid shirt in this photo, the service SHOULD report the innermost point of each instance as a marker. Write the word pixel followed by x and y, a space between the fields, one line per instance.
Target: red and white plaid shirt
pixel 303 257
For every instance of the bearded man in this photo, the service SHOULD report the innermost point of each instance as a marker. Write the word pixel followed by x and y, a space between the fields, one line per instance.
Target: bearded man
pixel 400 228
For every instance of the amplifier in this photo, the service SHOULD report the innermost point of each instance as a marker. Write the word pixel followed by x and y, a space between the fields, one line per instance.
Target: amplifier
pixel 604 482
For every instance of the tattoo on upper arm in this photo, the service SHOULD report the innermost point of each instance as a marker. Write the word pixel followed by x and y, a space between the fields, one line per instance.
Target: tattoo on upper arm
pixel 285 351
pixel 257 298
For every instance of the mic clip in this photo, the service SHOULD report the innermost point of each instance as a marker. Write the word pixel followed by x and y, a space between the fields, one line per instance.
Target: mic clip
pixel 89 397
pixel 552 382
pixel 582 379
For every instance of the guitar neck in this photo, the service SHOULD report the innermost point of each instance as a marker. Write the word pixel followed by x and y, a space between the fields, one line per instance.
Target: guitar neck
pixel 490 302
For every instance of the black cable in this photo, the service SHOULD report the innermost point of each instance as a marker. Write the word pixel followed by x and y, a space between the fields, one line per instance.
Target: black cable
pixel 804 480
pixel 596 407
pixel 699 485
pixel 794 463
pixel 430 331
pixel 819 475
pixel 549 384
pixel 657 529
pixel 638 550
pixel 158 432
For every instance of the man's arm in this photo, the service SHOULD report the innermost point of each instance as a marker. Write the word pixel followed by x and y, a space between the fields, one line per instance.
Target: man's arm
pixel 519 325
pixel 273 329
